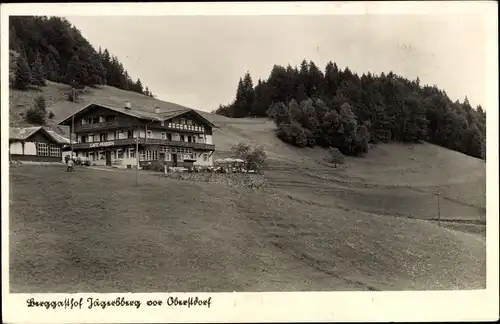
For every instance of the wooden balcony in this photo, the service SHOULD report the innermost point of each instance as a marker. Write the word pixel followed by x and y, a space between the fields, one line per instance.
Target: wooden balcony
pixel 116 124
pixel 143 141
pixel 97 126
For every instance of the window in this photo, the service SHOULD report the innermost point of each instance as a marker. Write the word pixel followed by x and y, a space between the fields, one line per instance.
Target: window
pixel 168 157
pixel 84 121
pixel 163 135
pixel 131 153
pixel 149 155
pixel 55 150
pixel 102 119
pixel 162 123
pixel 101 155
pixel 83 139
pixel 205 157
pixel 182 121
pixel 102 137
pixel 130 134
pixel 190 122
pixel 42 149
pixel 149 134
pixel 91 138
pixel 170 125
pixel 120 154
pixel 182 138
pixel 91 156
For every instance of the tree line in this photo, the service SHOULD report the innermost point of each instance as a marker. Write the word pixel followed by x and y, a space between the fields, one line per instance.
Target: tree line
pixel 338 108
pixel 50 48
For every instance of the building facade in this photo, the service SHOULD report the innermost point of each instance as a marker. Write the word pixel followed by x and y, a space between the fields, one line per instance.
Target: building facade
pixel 36 144
pixel 114 136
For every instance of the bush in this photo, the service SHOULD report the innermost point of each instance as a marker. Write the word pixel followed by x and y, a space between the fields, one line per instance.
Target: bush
pixel 255 157
pixel 72 97
pixel 154 166
pixel 38 113
pixel 336 157
pixel 294 134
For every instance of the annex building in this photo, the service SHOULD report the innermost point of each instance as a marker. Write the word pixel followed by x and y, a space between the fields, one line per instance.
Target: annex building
pixel 114 136
pixel 36 144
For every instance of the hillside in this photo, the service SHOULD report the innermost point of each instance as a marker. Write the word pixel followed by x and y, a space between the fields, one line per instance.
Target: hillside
pixel 339 108
pixel 51 48
pixel 360 226
pixel 386 167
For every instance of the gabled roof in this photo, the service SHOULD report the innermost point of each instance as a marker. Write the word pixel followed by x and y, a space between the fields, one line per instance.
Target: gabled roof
pixel 22 133
pixel 57 137
pixel 140 114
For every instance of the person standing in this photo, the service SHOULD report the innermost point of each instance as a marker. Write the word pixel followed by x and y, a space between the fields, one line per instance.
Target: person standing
pixel 70 165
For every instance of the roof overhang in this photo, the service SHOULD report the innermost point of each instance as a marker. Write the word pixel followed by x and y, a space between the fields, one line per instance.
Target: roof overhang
pixel 162 116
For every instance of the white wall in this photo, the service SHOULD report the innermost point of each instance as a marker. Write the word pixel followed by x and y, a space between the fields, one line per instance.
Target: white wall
pixel 199 158
pixel 16 148
pixel 123 135
pixel 29 148
pixel 208 139
pixel 176 137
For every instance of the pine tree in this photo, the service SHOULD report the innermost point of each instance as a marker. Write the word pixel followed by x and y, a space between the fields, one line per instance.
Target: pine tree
pixel 75 74
pixel 14 42
pixel 240 102
pixel 137 87
pixel 22 76
pixel 37 73
pixel 315 81
pixel 50 68
pixel 249 93
pixel 332 79
pixel 348 129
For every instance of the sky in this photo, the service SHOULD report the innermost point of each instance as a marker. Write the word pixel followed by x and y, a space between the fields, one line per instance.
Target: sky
pixel 197 61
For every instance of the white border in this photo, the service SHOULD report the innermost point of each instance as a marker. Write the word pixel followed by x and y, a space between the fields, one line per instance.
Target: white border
pixel 273 307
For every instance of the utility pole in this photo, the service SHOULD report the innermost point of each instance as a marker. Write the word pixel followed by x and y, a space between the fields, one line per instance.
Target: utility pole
pixel 438 206
pixel 137 157
pixel 72 119
pixel 71 133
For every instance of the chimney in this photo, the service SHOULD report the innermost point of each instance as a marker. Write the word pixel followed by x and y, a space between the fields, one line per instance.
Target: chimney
pixel 128 105
pixel 157 110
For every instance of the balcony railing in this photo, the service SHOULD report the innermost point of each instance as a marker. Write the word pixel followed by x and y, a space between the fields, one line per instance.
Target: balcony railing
pixel 96 126
pixel 143 141
pixel 115 124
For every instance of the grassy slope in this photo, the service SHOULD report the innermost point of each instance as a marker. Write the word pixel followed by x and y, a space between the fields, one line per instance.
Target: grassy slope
pixel 393 180
pixel 219 239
